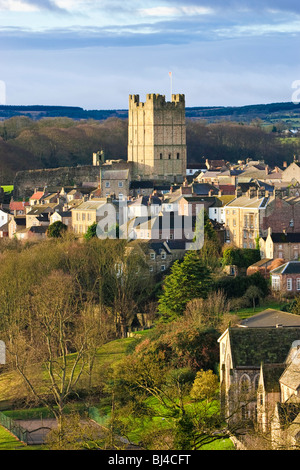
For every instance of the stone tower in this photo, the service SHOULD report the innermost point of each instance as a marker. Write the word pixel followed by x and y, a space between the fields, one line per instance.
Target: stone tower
pixel 157 138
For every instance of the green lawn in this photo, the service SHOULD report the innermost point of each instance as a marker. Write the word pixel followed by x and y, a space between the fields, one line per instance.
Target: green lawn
pixel 8 441
pixel 249 312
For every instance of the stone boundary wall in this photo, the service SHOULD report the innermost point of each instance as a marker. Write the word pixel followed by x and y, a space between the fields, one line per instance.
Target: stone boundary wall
pixel 26 181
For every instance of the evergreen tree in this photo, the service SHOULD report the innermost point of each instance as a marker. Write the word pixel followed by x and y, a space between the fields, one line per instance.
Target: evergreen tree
pixel 56 229
pixel 189 279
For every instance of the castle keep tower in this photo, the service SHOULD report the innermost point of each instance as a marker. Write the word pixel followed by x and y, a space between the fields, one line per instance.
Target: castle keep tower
pixel 157 138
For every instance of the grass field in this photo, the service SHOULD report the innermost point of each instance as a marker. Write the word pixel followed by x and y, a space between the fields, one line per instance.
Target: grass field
pixel 8 441
pixel 8 188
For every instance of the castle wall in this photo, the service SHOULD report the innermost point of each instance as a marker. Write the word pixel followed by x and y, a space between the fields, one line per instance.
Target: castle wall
pixel 26 181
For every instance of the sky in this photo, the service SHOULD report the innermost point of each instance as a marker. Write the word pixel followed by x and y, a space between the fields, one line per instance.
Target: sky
pixel 94 53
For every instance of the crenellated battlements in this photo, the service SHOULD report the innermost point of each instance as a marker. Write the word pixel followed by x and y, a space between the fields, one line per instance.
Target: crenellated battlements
pixel 157 100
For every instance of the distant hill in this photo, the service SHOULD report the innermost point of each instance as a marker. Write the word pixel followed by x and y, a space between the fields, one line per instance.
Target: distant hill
pixel 39 137
pixel 267 112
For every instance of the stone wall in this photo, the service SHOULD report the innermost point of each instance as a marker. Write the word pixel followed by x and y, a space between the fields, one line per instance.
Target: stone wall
pixel 26 181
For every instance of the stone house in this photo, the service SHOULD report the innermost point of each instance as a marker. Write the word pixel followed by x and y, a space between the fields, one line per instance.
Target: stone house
pixel 159 255
pixel 40 215
pixel 165 226
pixel 18 208
pixel 292 172
pixel 280 245
pixel 15 224
pixel 286 277
pixel 92 211
pixel 244 218
pixel 62 216
pixel 36 197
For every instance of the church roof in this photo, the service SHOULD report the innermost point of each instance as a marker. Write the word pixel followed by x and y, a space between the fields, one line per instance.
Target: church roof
pixel 252 346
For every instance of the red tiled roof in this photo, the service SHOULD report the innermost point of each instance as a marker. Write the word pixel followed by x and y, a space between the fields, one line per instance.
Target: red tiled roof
pixel 17 205
pixel 37 195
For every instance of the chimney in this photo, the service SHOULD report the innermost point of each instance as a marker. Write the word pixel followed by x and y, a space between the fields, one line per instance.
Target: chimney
pixel 220 193
pixel 210 193
pixel 238 191
pixel 284 164
pixel 267 169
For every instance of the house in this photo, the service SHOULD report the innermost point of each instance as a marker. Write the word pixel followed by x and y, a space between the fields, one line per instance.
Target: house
pixel 89 212
pixel 116 182
pixel 165 226
pixel 138 188
pixel 18 207
pixel 62 216
pixel 280 245
pixel 144 206
pixel 244 217
pixel 292 173
pixel 74 194
pixel 286 277
pixel 32 233
pixel 159 255
pixel 36 198
pixel 40 214
pixel 15 224
pixel 4 218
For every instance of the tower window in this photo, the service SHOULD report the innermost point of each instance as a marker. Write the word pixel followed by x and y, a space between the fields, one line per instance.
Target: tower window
pixel 178 156
pixel 169 156
pixel 160 156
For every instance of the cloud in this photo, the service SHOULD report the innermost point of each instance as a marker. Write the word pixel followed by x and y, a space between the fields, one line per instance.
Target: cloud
pixel 165 11
pixel 250 5
pixel 29 5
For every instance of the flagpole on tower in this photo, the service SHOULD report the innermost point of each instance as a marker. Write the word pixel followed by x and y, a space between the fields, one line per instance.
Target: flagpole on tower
pixel 170 75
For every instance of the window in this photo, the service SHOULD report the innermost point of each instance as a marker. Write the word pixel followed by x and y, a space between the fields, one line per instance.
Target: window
pixel 289 283
pixel 152 255
pixel 276 282
pixel 120 184
pixel 151 269
pixel 163 255
pixel 178 156
pixel 298 284
pixel 169 156
pixel 107 184
pixel 163 267
pixel 160 156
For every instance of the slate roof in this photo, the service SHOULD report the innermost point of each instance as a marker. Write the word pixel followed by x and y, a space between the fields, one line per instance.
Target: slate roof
pixel 285 237
pixel 251 347
pixel 292 267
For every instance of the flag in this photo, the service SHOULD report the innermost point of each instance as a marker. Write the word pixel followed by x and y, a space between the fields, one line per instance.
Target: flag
pixel 170 73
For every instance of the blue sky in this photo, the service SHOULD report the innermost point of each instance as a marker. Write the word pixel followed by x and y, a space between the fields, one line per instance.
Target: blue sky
pixel 94 53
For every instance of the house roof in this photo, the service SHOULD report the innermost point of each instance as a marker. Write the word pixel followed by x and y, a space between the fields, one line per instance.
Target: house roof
pixel 291 267
pixel 37 195
pixel 90 205
pixel 115 175
pixel 270 318
pixel 17 205
pixel 245 201
pixel 285 237
pixel 252 346
pixel 141 184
